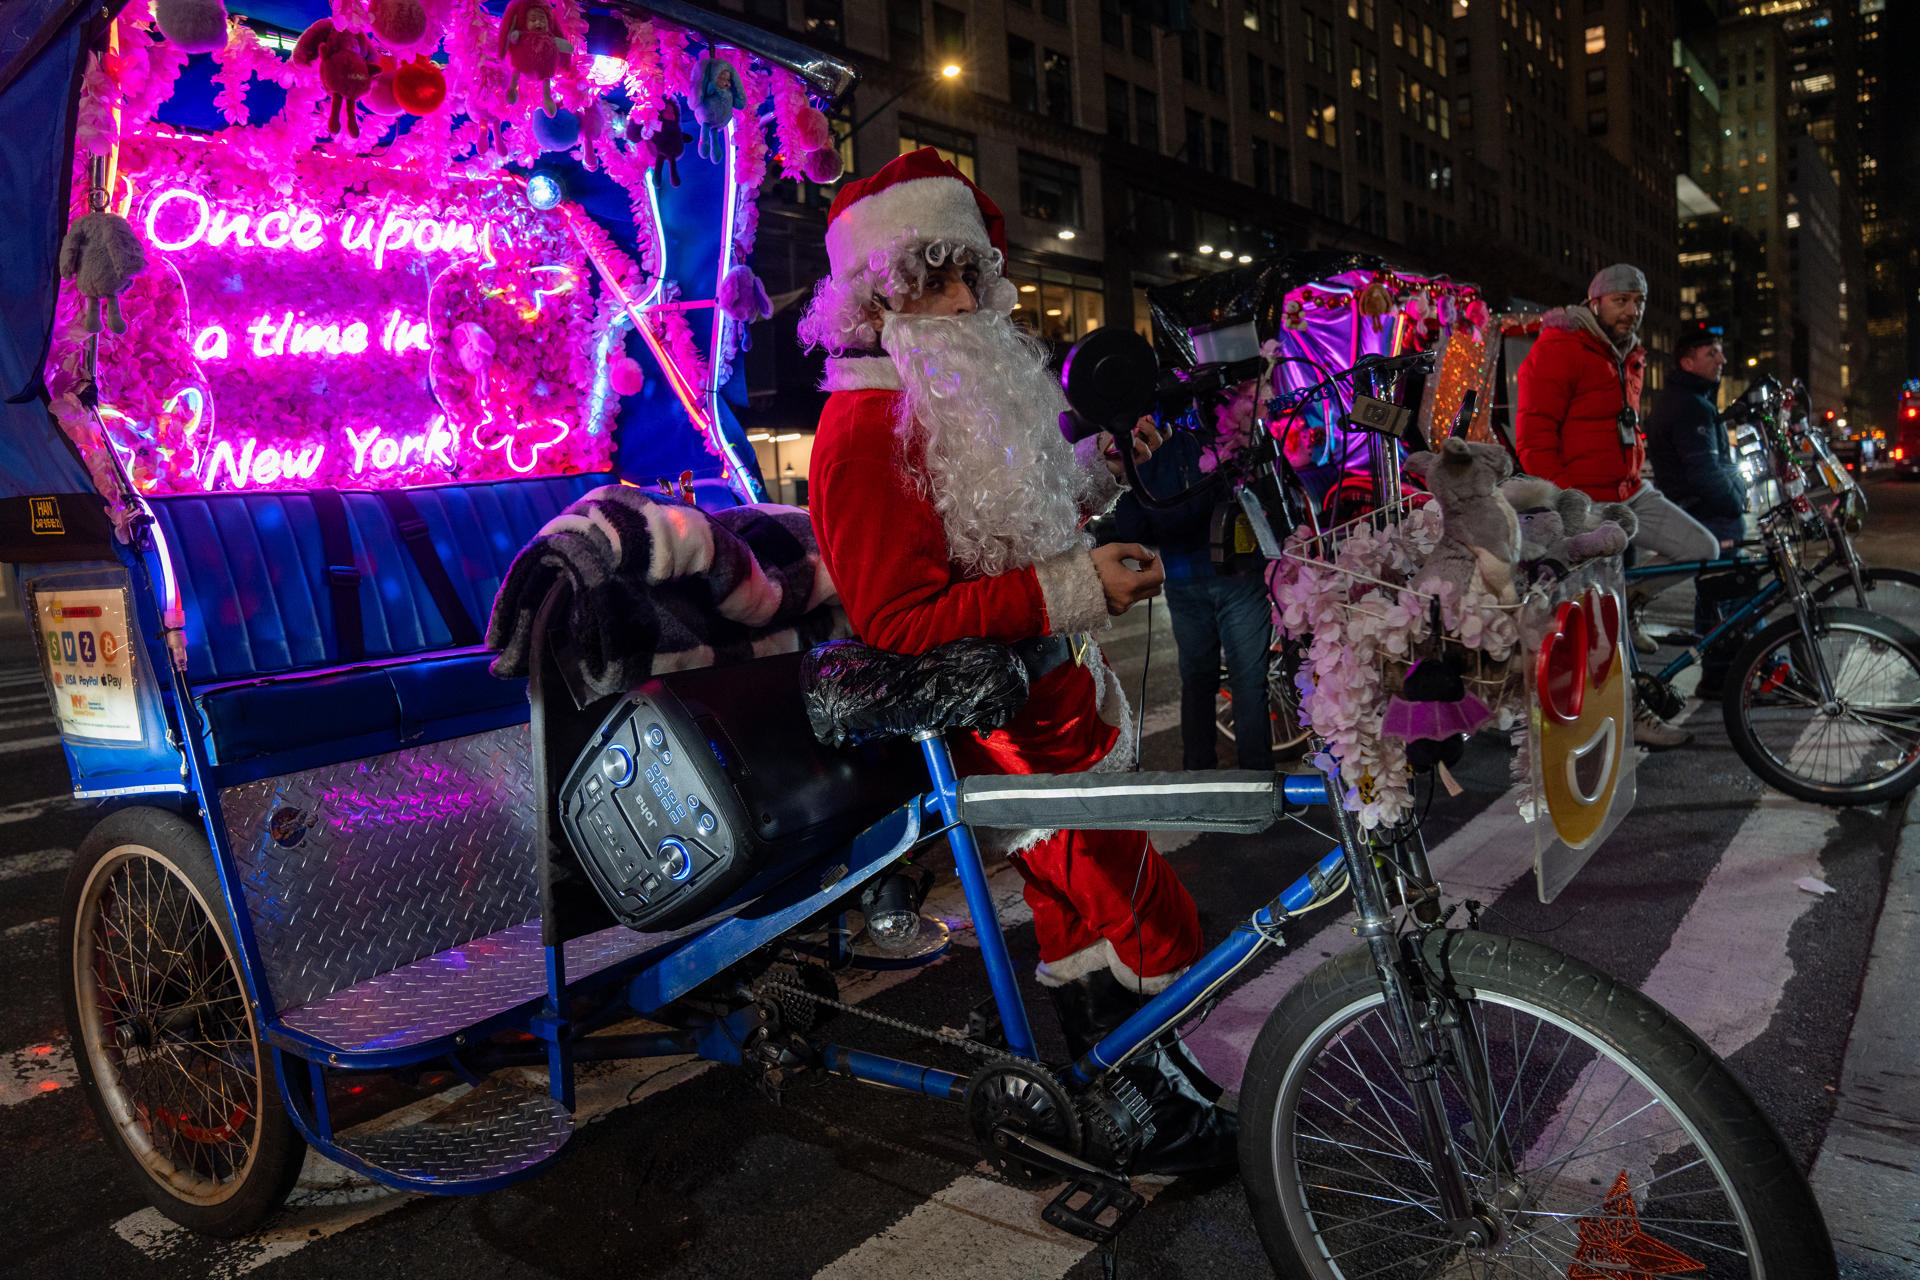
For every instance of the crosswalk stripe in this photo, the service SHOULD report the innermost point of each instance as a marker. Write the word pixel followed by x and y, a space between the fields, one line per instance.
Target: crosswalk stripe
pixel 28 810
pixel 36 863
pixel 19 745
pixel 976 1229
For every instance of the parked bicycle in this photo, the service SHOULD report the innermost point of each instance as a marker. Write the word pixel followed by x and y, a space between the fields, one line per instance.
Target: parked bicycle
pixel 1823 702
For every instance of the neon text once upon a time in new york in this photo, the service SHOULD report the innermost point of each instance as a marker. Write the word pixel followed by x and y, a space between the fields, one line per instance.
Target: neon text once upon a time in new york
pixel 347 325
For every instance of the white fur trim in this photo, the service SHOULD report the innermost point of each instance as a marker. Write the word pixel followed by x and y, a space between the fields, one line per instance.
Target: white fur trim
pixel 1070 588
pixel 933 208
pixel 685 660
pixel 1101 955
pixel 860 373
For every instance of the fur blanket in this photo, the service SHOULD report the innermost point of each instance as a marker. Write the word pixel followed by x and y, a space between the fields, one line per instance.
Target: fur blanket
pixel 662 586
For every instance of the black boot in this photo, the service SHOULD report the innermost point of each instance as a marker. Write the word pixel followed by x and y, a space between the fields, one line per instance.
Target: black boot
pixel 1184 1130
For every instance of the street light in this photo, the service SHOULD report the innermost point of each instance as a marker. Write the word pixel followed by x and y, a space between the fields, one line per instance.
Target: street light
pixel 948 73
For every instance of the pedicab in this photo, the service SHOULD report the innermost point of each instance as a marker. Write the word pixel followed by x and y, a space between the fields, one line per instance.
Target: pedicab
pixel 365 313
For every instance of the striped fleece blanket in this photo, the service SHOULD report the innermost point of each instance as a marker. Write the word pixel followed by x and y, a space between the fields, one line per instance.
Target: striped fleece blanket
pixel 660 586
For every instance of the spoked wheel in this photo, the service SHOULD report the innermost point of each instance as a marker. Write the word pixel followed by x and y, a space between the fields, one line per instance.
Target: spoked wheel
pixel 1891 593
pixel 167 1047
pixel 1290 734
pixel 1860 746
pixel 1599 1136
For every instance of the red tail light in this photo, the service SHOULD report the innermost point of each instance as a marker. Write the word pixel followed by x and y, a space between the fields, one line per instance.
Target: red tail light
pixel 1899 455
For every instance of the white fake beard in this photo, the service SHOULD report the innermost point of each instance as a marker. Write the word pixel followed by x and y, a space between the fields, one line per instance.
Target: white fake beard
pixel 981 418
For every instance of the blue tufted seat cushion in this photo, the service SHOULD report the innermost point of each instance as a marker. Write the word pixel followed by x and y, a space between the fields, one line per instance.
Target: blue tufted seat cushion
pixel 262 654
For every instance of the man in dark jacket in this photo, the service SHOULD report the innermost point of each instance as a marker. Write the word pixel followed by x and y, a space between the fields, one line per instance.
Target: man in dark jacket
pixel 1578 425
pixel 1211 613
pixel 1689 451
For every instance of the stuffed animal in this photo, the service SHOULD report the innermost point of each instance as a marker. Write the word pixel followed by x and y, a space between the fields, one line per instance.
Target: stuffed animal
pixel 1375 301
pixel 102 255
pixel 719 96
pixel 663 149
pixel 745 300
pixel 347 68
pixel 192 26
pixel 1561 528
pixel 419 86
pixel 593 126
pixel 625 376
pixel 380 98
pixel 557 131
pixel 400 24
pixel 823 167
pixel 1479 533
pixel 530 42
pixel 811 130
pixel 1293 315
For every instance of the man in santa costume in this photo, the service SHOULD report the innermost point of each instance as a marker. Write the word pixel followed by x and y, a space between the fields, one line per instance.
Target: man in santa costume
pixel 948 505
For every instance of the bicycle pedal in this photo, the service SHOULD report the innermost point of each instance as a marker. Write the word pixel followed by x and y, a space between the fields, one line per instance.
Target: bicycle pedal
pixel 1093 1209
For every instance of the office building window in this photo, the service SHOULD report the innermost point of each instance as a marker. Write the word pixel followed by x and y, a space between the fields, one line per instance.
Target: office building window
pixel 1596 79
pixel 1361 11
pixel 1142 34
pixel 1054 9
pixel 1196 138
pixel 1596 39
pixel 1216 63
pixel 1060 306
pixel 1262 167
pixel 1023 74
pixel 1326 46
pixel 1276 95
pixel 1250 16
pixel 955 147
pixel 1146 118
pixel 1119 100
pixel 1321 122
pixel 949 33
pixel 1597 121
pixel 1220 151
pixel 1150 217
pixel 1256 85
pixel 1324 192
pixel 906 45
pixel 1113 26
pixel 1058 69
pixel 826 20
pixel 1190 56
pixel 1049 190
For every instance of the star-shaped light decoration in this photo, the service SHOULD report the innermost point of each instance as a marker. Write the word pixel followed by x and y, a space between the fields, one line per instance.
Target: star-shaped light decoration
pixel 1613 1247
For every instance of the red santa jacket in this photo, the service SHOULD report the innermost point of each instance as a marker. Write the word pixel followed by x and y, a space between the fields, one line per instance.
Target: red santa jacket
pixel 1570 401
pixel 884 547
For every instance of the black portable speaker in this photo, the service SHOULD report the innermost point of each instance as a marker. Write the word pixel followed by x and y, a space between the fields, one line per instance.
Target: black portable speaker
pixel 702 789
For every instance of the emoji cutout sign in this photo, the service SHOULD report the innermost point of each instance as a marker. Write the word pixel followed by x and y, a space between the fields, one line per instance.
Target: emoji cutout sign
pixel 1582 729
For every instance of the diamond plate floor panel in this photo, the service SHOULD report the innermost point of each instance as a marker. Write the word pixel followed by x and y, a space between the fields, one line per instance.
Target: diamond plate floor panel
pixel 454 989
pixel 495 1130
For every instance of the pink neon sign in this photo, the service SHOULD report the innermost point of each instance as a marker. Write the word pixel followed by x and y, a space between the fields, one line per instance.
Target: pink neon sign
pixel 341 323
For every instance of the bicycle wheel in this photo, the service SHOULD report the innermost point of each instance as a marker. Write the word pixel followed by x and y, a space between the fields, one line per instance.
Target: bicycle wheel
pixel 1860 748
pixel 166 1046
pixel 1891 593
pixel 1599 1136
pixel 1290 733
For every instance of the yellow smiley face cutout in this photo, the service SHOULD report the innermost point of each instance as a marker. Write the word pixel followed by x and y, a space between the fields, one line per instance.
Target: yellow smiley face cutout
pixel 1582 714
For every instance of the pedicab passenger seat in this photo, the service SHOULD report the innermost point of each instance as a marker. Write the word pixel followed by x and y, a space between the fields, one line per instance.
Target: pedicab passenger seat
pixel 273 674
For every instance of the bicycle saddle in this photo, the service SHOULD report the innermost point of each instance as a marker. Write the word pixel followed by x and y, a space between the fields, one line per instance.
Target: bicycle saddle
pixel 860 694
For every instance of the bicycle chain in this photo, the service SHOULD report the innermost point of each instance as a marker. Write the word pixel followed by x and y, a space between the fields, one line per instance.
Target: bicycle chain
pixel 979 1169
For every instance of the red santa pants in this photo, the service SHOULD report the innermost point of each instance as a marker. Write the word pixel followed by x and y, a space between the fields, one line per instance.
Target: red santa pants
pixel 1087 887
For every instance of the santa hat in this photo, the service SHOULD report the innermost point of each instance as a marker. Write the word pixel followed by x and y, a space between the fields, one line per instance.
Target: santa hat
pixel 918 194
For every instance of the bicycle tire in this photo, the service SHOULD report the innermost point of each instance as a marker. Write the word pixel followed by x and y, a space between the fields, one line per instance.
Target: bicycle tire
pixel 205 1133
pixel 1291 738
pixel 1891 593
pixel 1771 1212
pixel 1873 733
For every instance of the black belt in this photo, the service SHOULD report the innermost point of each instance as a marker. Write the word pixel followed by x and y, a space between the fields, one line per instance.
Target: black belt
pixel 1042 654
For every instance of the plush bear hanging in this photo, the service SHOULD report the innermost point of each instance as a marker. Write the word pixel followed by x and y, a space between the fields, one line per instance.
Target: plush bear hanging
pixel 530 42
pixel 719 96
pixel 347 68
pixel 745 300
pixel 419 86
pixel 400 24
pixel 663 149
pixel 824 167
pixel 101 255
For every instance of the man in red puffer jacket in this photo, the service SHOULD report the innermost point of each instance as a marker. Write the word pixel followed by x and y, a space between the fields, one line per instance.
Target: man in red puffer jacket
pixel 1579 426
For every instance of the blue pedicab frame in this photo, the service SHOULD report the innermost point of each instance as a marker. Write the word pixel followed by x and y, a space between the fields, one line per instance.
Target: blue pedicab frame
pixel 426 1009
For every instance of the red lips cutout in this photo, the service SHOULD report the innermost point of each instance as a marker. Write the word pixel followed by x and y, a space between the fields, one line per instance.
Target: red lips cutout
pixel 1579 650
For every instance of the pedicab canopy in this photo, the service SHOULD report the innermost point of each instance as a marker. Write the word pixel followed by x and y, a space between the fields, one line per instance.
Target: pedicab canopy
pixel 385 244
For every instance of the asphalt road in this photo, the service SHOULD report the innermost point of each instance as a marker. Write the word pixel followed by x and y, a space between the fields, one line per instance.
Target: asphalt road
pixel 686 1171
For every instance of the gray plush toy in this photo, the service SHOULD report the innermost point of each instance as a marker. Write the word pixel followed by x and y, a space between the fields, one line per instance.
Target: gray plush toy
pixel 1560 528
pixel 102 255
pixel 1481 533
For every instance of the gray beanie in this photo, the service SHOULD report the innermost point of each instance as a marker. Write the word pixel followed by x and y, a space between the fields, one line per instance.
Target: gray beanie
pixel 1621 277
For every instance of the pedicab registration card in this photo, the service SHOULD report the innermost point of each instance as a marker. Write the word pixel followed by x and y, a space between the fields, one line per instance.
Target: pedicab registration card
pixel 83 634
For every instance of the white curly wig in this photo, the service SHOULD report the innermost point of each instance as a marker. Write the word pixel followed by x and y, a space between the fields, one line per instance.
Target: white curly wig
pixel 845 304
